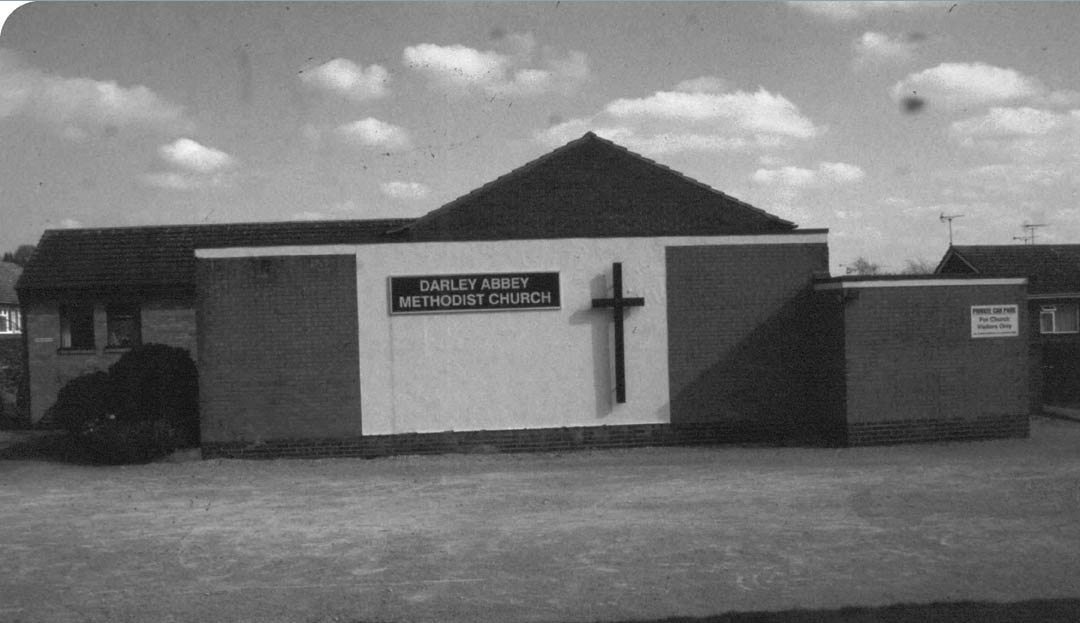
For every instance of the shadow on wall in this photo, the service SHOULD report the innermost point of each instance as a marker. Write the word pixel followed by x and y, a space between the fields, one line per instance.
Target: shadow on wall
pixel 600 322
pixel 1041 610
pixel 774 384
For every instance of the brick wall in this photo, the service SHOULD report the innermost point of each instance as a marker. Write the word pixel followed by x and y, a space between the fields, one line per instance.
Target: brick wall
pixel 278 350
pixel 170 322
pixel 914 373
pixel 167 321
pixel 484 441
pixel 740 319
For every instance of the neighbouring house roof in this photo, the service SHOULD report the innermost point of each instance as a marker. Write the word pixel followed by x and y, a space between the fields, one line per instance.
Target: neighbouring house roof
pixel 1050 268
pixel 9 274
pixel 588 188
pixel 157 257
pixel 592 188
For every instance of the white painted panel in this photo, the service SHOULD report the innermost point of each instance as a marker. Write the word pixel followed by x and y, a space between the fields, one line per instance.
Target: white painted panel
pixel 512 369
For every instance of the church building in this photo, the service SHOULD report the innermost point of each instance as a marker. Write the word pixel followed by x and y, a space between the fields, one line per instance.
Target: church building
pixel 590 298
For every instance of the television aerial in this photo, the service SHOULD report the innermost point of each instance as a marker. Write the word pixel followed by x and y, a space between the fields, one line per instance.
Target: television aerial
pixel 949 218
pixel 1029 232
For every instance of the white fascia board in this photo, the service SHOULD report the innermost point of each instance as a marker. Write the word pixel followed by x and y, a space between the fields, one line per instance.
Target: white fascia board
pixel 914 283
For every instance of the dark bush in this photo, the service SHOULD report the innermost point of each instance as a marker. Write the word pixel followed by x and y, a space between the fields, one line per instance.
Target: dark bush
pixel 144 407
pixel 158 383
pixel 82 402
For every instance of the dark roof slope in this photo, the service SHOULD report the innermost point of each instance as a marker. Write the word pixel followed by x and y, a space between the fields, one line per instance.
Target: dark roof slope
pixel 591 188
pixel 1050 268
pixel 9 274
pixel 156 257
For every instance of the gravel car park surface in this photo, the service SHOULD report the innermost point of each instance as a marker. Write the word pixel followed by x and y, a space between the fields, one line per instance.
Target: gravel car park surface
pixel 621 535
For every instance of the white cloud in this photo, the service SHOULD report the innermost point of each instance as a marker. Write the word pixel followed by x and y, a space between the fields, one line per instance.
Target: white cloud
pixel 958 85
pixel 191 156
pixel 1006 122
pixel 1037 137
pixel 841 172
pixel 195 167
pixel 457 65
pixel 371 132
pixel 851 11
pixel 695 117
pixel 79 107
pixel 757 113
pixel 405 190
pixel 521 70
pixel 344 77
pixel 875 48
pixel 827 174
pixel 70 223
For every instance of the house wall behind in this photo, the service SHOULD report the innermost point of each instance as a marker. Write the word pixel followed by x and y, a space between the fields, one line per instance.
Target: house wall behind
pixel 1055 360
pixel 169 322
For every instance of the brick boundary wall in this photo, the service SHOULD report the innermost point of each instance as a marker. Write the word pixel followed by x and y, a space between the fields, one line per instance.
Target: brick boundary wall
pixel 600 437
pixel 490 441
pixel 915 431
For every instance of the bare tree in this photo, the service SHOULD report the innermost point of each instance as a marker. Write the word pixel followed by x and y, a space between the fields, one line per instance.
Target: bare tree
pixel 918 266
pixel 862 266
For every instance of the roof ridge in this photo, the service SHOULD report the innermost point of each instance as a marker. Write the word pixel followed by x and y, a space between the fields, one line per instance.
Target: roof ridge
pixel 589 136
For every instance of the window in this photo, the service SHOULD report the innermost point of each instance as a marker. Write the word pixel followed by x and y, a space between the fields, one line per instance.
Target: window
pixel 9 320
pixel 1059 318
pixel 77 327
pixel 123 326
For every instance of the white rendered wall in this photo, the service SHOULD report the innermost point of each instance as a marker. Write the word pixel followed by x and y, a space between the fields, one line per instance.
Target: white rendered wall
pixel 513 369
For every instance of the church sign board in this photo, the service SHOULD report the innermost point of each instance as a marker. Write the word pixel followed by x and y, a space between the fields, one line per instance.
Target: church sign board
pixel 431 294
pixel 995 320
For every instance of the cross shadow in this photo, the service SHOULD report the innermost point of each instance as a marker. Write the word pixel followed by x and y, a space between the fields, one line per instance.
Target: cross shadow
pixel 603 367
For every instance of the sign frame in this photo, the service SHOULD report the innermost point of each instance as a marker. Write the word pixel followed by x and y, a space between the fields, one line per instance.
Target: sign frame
pixel 986 320
pixel 552 285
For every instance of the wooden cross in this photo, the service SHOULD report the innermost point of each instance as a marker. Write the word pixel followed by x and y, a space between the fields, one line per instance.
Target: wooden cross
pixel 618 304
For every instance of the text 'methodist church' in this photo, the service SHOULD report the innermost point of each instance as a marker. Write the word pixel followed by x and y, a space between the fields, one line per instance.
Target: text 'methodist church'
pixel 589 298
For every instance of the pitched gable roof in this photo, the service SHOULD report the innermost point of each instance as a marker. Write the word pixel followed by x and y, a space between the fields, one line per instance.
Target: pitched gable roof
pixel 164 257
pixel 9 274
pixel 592 188
pixel 588 188
pixel 1050 268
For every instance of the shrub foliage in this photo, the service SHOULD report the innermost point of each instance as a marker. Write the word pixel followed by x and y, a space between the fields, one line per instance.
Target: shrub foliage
pixel 145 406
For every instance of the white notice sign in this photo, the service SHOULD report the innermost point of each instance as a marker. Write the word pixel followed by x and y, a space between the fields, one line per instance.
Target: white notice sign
pixel 995 320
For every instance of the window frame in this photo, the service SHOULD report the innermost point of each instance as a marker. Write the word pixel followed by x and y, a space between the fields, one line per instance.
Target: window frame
pixel 1053 312
pixel 116 313
pixel 10 320
pixel 68 314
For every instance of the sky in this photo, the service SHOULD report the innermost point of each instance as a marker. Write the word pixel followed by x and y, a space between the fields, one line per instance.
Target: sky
pixel 869 119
